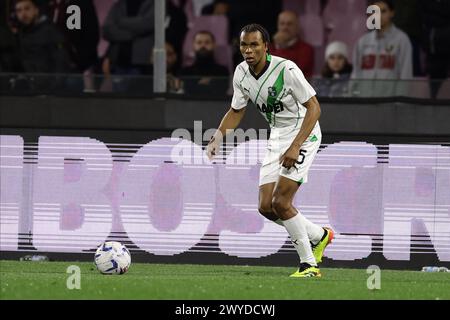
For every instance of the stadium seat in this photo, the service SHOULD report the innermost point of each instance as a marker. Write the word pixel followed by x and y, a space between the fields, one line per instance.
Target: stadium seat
pixel 336 9
pixel 302 6
pixel 102 7
pixel 331 12
pixel 311 29
pixel 313 7
pixel 217 25
pixel 348 30
pixel 344 7
pixel 297 6
pixel 189 11
pixel 198 6
pixel 357 6
pixel 193 9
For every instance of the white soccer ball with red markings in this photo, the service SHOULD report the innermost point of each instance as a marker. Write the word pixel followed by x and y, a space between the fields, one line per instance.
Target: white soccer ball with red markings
pixel 112 257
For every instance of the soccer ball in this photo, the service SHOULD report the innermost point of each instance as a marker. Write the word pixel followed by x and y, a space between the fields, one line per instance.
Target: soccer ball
pixel 112 257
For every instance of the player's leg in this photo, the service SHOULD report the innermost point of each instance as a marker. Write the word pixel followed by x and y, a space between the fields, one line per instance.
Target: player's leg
pixel 269 175
pixel 265 203
pixel 283 196
pixel 315 232
pixel 318 236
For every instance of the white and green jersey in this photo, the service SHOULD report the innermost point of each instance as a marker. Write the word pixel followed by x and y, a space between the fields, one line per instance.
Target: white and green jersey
pixel 278 91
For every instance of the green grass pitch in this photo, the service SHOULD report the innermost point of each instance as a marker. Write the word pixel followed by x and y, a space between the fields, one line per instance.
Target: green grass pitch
pixel 47 280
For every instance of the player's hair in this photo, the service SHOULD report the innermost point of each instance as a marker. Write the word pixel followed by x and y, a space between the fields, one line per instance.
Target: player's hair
pixel 206 32
pixel 389 3
pixel 254 27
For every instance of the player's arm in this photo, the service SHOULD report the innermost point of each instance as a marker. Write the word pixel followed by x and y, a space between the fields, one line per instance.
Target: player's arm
pixel 229 122
pixel 313 112
pixel 312 116
pixel 233 117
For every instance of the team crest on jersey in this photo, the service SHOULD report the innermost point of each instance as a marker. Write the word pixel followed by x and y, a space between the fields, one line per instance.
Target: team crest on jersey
pixel 272 92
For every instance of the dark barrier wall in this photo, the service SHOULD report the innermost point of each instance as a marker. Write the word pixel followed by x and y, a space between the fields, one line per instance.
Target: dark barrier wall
pixel 78 171
pixel 361 117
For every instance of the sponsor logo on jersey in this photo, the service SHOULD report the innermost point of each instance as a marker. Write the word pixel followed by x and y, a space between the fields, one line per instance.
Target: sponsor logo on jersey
pixel 277 107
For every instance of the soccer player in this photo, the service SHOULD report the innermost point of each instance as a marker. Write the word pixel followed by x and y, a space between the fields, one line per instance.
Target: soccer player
pixel 287 101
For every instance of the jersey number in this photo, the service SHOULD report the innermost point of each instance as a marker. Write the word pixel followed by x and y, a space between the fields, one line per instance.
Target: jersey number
pixel 303 154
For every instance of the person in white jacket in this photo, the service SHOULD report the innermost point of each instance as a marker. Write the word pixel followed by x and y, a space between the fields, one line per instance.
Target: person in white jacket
pixel 384 53
pixel 381 58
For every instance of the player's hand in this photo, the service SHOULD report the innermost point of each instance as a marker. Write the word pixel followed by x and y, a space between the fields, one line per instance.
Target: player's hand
pixel 290 157
pixel 213 148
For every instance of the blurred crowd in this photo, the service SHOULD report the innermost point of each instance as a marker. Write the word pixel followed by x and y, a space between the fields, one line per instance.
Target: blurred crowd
pixel 326 38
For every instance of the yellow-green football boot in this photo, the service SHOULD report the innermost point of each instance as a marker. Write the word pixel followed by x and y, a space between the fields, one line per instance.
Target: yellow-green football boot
pixel 306 271
pixel 319 248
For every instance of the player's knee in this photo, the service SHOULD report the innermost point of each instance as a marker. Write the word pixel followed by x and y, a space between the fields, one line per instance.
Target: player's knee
pixel 280 204
pixel 267 211
pixel 265 208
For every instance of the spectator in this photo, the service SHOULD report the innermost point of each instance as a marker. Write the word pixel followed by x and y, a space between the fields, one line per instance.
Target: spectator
pixel 384 53
pixel 436 40
pixel 42 48
pixel 336 61
pixel 205 66
pixel 82 43
pixel 174 84
pixel 176 28
pixel 287 44
pixel 336 72
pixel 129 28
